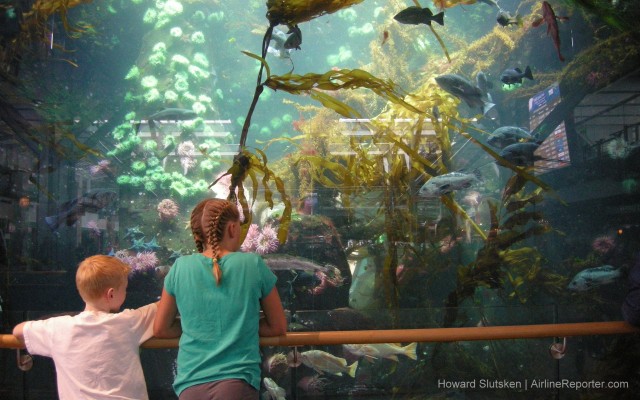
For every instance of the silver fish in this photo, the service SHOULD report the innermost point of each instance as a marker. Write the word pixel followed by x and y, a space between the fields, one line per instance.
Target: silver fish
pixel 382 350
pixel 447 183
pixel 274 392
pixel 507 135
pixel 324 362
pixel 286 262
pixel 521 154
pixel 594 277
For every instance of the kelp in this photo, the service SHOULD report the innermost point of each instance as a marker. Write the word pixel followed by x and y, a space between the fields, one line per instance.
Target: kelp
pixel 248 165
pixel 337 80
pixel 438 38
pixel 293 12
pixel 36 18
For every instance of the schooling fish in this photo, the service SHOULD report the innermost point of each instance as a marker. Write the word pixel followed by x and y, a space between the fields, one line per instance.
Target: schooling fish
pixel 512 76
pixel 549 17
pixel 71 211
pixel 447 183
pixel 594 277
pixel 383 350
pixel 505 18
pixel 508 135
pixel 417 15
pixel 465 91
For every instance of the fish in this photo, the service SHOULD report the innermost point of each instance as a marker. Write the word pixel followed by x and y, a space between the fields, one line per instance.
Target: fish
pixel 274 392
pixel 521 154
pixel 382 350
pixel 511 76
pixel 505 18
pixel 286 262
pixel 465 91
pixel 508 135
pixel 593 277
pixel 417 15
pixel 70 211
pixel 174 114
pixel 323 362
pixel 295 38
pixel 483 83
pixel 447 183
pixel 551 19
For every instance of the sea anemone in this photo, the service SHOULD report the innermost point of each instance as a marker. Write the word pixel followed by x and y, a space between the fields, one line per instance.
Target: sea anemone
pixel 152 96
pixel 150 16
pixel 144 261
pixel 603 244
pixel 160 47
pixel 170 96
pixel 267 241
pixel 149 82
pixel 138 166
pixel 168 209
pixel 199 108
pixel 198 72
pixel 176 31
pixel 157 59
pixel 197 37
pixel 276 365
pixel 172 7
pixel 201 59
pixel 181 85
pixel 251 239
pixel 179 59
pixel 134 72
pixel 187 152
pixel 100 167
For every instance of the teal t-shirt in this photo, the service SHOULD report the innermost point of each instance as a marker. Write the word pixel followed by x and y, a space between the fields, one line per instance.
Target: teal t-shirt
pixel 219 323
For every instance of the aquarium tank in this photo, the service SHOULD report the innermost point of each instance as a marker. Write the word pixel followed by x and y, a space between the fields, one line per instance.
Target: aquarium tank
pixel 397 164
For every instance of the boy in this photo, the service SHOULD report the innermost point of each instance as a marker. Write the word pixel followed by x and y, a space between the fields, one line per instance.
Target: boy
pixel 96 352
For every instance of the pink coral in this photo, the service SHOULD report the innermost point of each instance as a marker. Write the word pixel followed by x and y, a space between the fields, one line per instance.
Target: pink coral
pixel 93 228
pixel 146 260
pixel 101 167
pixel 603 244
pixel 168 209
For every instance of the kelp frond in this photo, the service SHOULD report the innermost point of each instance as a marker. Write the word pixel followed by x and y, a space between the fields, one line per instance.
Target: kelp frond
pixel 336 80
pixel 248 165
pixel 293 12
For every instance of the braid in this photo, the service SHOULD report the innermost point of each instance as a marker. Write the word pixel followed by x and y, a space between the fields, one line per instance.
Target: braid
pixel 216 214
pixel 196 225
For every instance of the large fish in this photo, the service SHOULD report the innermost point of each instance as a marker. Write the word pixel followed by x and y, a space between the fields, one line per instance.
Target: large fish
pixel 594 277
pixel 417 15
pixel 465 91
pixel 71 211
pixel 382 350
pixel 173 114
pixel 521 154
pixel 286 262
pixel 551 19
pixel 324 362
pixel 447 183
pixel 512 76
pixel 508 135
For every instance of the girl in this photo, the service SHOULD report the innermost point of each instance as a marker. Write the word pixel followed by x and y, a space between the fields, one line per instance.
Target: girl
pixel 219 293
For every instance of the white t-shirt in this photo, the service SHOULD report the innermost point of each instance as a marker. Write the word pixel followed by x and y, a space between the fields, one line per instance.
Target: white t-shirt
pixel 96 354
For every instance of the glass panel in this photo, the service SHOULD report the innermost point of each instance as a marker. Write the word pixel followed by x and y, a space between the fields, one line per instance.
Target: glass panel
pixel 397 168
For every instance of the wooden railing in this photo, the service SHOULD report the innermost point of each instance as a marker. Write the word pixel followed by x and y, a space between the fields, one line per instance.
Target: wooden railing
pixel 413 335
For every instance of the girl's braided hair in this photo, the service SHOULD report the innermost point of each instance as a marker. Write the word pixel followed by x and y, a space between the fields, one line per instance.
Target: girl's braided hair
pixel 209 229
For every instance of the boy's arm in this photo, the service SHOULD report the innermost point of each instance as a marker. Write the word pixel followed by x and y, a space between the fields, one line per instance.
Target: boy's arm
pixel 167 324
pixel 18 332
pixel 274 322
